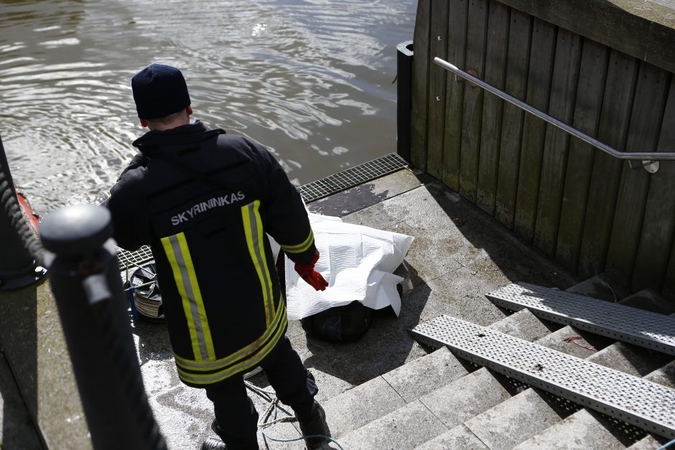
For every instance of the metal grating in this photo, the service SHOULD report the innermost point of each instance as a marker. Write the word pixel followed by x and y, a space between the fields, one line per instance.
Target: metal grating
pixel 352 177
pixel 129 260
pixel 623 323
pixel 631 399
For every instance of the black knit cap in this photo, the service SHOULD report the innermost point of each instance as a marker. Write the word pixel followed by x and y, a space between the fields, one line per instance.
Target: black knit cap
pixel 159 90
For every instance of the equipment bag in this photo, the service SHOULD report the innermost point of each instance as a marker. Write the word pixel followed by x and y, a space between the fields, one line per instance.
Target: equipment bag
pixel 341 324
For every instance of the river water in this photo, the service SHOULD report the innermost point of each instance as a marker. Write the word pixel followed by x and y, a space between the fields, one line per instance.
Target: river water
pixel 312 80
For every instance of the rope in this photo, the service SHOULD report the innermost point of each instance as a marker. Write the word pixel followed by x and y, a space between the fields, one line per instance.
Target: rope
pixel 272 410
pixel 17 220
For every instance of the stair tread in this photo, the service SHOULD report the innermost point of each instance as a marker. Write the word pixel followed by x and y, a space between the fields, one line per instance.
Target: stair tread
pixel 580 430
pixel 423 375
pixel 523 324
pixel 464 398
pixel 459 437
pixel 358 406
pixel 405 427
pixel 511 422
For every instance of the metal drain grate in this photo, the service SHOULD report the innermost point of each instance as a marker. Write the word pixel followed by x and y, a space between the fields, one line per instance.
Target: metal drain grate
pixel 624 323
pixel 633 400
pixel 352 177
pixel 138 258
pixel 310 192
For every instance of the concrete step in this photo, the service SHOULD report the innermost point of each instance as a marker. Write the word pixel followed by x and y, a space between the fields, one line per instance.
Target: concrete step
pixel 663 375
pixel 630 359
pixel 650 443
pixel 620 322
pixel 571 341
pixel 581 430
pixel 524 325
pixel 459 437
pixel 649 300
pixel 513 421
pixel 405 427
pixel 466 397
pixel 387 393
pixel 603 287
pixel 431 415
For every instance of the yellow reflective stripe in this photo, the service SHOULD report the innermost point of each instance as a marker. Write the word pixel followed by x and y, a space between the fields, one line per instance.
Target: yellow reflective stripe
pixel 302 247
pixel 224 368
pixel 253 229
pixel 178 255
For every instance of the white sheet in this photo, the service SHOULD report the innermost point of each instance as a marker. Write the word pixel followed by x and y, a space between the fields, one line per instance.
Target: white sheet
pixel 357 261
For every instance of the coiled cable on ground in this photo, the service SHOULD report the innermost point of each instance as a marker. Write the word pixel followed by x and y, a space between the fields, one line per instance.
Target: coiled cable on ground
pixel 270 417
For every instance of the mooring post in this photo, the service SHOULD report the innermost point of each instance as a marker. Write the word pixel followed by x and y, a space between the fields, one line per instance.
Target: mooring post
pixel 87 287
pixel 403 98
pixel 18 268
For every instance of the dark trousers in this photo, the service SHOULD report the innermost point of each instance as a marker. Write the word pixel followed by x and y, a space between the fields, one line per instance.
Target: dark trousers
pixel 236 416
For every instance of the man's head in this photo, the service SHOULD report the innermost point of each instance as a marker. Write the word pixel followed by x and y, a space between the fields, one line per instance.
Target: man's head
pixel 159 91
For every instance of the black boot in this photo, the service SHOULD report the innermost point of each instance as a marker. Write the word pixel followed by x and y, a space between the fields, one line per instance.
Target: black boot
pixel 313 426
pixel 216 443
pixel 213 443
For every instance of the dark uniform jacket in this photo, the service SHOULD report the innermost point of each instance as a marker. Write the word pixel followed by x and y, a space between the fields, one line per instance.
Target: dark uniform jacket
pixel 204 201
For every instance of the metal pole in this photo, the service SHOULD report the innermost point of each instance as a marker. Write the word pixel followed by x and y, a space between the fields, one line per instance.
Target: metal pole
pixel 18 268
pixel 87 287
pixel 644 156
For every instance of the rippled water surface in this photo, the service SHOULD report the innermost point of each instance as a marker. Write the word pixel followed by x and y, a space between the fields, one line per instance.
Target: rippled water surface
pixel 312 80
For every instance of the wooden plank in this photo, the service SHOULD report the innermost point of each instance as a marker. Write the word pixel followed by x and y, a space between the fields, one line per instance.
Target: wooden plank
pixel 437 81
pixel 554 160
pixel 534 129
pixel 658 228
pixel 643 29
pixel 420 74
pixel 604 185
pixel 495 74
pixel 473 99
pixel 643 134
pixel 590 92
pixel 518 57
pixel 454 112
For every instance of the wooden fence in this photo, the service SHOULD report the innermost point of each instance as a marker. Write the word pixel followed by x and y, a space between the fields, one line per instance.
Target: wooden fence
pixel 591 64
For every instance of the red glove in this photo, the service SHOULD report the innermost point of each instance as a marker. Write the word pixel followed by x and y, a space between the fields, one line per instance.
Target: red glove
pixel 311 276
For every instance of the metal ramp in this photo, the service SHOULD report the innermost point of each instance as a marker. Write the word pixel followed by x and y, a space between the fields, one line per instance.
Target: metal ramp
pixel 631 399
pixel 624 323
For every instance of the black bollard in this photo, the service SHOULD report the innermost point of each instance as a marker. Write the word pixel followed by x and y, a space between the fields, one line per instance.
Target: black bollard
pixel 403 98
pixel 18 268
pixel 87 287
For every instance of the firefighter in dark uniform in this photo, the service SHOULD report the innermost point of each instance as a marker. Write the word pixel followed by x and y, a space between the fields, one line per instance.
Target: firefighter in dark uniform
pixel 205 201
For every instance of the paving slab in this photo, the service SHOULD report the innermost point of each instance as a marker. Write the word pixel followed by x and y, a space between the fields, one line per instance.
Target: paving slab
pixel 18 429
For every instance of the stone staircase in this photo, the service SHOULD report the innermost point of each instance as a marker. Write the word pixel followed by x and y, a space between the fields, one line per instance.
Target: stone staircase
pixel 441 401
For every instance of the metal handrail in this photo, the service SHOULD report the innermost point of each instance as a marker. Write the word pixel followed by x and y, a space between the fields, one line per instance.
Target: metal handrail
pixel 648 157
